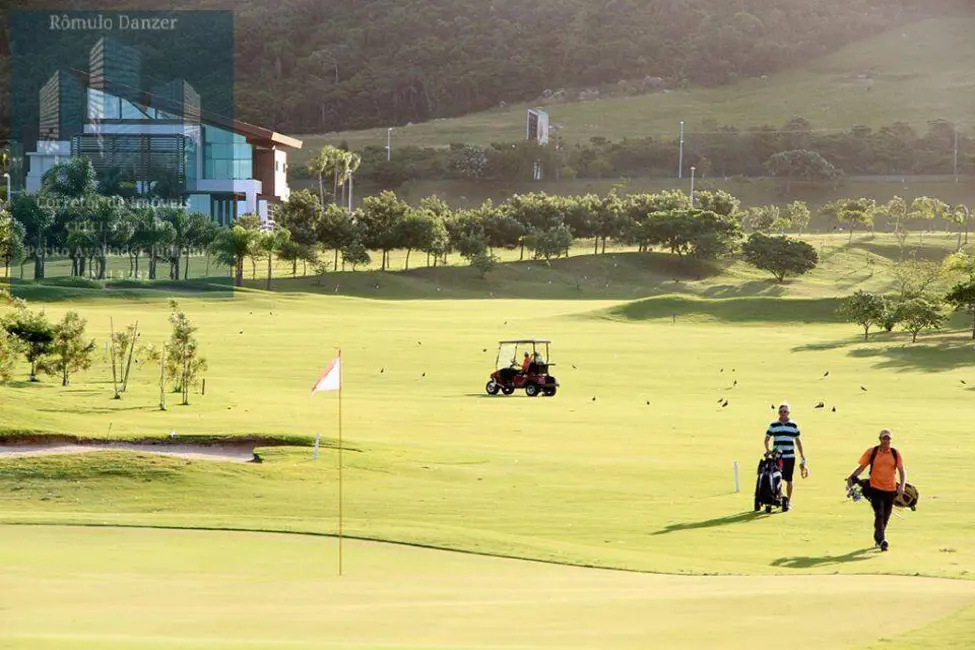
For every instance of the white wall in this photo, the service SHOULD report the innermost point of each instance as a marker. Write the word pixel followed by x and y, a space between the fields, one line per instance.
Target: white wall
pixel 281 189
pixel 49 153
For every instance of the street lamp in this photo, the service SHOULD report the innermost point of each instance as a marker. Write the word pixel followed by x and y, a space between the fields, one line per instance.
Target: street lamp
pixel 692 187
pixel 680 160
pixel 6 177
pixel 389 133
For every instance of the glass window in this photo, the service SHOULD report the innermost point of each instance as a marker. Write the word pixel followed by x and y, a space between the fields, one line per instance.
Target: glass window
pixel 131 112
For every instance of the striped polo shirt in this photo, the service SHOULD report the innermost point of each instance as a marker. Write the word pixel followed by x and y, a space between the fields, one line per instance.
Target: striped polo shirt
pixel 784 436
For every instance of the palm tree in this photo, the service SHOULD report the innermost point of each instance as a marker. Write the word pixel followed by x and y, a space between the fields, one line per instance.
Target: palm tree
pixel 231 246
pixel 269 242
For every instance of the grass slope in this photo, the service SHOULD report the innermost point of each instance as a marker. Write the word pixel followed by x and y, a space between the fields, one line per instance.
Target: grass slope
pixel 234 590
pixel 921 72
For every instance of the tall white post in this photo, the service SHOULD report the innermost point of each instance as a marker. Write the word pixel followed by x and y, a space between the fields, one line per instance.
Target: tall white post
pixel 318 438
pixel 389 133
pixel 6 176
pixel 680 159
pixel 692 187
pixel 737 484
pixel 956 153
pixel 350 193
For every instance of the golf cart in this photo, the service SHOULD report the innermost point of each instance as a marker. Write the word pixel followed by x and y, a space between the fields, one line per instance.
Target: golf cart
pixel 509 374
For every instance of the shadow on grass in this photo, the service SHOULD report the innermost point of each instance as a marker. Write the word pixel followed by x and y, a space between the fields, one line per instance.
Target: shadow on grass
pixel 754 309
pixel 92 410
pixel 802 562
pixel 751 288
pixel 948 355
pixel 711 523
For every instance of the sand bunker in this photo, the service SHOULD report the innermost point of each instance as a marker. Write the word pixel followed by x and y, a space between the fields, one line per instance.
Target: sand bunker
pixel 239 452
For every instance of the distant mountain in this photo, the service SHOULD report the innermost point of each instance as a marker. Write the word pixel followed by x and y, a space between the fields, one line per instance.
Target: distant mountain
pixel 325 65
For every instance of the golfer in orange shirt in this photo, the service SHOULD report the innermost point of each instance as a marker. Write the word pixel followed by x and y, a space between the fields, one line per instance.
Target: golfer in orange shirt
pixel 884 461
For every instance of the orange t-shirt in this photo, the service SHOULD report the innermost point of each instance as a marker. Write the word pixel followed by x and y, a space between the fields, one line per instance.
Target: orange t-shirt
pixel 524 364
pixel 883 474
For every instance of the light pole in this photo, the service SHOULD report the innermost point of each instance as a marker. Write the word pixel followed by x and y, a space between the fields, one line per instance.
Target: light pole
pixel 389 133
pixel 350 192
pixel 692 187
pixel 680 160
pixel 6 177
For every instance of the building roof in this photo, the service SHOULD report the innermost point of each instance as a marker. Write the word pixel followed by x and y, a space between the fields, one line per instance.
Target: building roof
pixel 255 134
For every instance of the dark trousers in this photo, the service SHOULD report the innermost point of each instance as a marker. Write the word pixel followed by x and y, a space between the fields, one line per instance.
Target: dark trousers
pixel 883 506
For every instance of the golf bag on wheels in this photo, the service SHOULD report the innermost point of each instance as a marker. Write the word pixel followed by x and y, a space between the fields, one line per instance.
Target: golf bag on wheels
pixel 768 487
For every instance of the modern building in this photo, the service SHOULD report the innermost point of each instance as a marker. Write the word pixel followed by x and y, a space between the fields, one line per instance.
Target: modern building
pixel 160 140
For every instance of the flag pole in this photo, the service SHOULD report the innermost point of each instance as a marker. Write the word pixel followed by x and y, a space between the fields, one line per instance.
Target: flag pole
pixel 340 461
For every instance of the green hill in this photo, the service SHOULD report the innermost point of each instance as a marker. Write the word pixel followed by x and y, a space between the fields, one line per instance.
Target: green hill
pixel 914 74
pixel 324 65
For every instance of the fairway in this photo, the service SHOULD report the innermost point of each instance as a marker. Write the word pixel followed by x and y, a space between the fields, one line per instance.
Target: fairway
pixel 669 373
pixel 77 588
pixel 914 74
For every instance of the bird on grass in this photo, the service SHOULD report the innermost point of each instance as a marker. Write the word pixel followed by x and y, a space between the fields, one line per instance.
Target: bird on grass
pixel 962 381
pixel 382 371
pixel 594 398
pixel 424 375
pixel 819 405
pixel 648 402
pixel 827 374
pixel 863 388
pixel 725 404
pixel 574 366
pixel 735 383
pixel 720 399
pixel 834 409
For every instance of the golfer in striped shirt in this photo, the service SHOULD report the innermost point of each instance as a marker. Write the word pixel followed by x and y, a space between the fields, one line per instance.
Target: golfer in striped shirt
pixel 784 434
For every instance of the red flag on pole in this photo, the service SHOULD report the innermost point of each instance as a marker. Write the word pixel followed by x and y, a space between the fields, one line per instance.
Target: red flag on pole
pixel 331 379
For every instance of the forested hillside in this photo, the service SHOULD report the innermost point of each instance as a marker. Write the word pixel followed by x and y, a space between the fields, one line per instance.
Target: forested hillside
pixel 323 65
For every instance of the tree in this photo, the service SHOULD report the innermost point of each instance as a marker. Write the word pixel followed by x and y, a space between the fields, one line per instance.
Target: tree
pixel 763 218
pixel 355 253
pixel 382 217
pixel 484 262
pixel 550 243
pixel 780 256
pixel 201 234
pixel 268 242
pixel 36 215
pixel 718 202
pixel 69 351
pixel 914 276
pixel 336 231
pixel 854 212
pixel 326 164
pixel 183 360
pixel 232 246
pixel 34 334
pixel 924 208
pixel 959 262
pixel 8 354
pixel 798 215
pixel 416 232
pixel 301 214
pixel 800 163
pixel 865 309
pixel 12 235
pixel 896 210
pixel 962 216
pixel 919 314
pixel 962 296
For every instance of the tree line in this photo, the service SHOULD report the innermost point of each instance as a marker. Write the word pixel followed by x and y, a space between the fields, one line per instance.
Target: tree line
pixel 916 305
pixel 70 217
pixel 63 349
pixel 794 151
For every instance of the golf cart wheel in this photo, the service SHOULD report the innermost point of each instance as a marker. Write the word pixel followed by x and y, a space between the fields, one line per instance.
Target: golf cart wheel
pixel 507 390
pixel 531 389
pixel 548 392
pixel 492 388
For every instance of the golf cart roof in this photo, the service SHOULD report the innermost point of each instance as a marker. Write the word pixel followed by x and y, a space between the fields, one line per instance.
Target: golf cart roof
pixel 523 341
